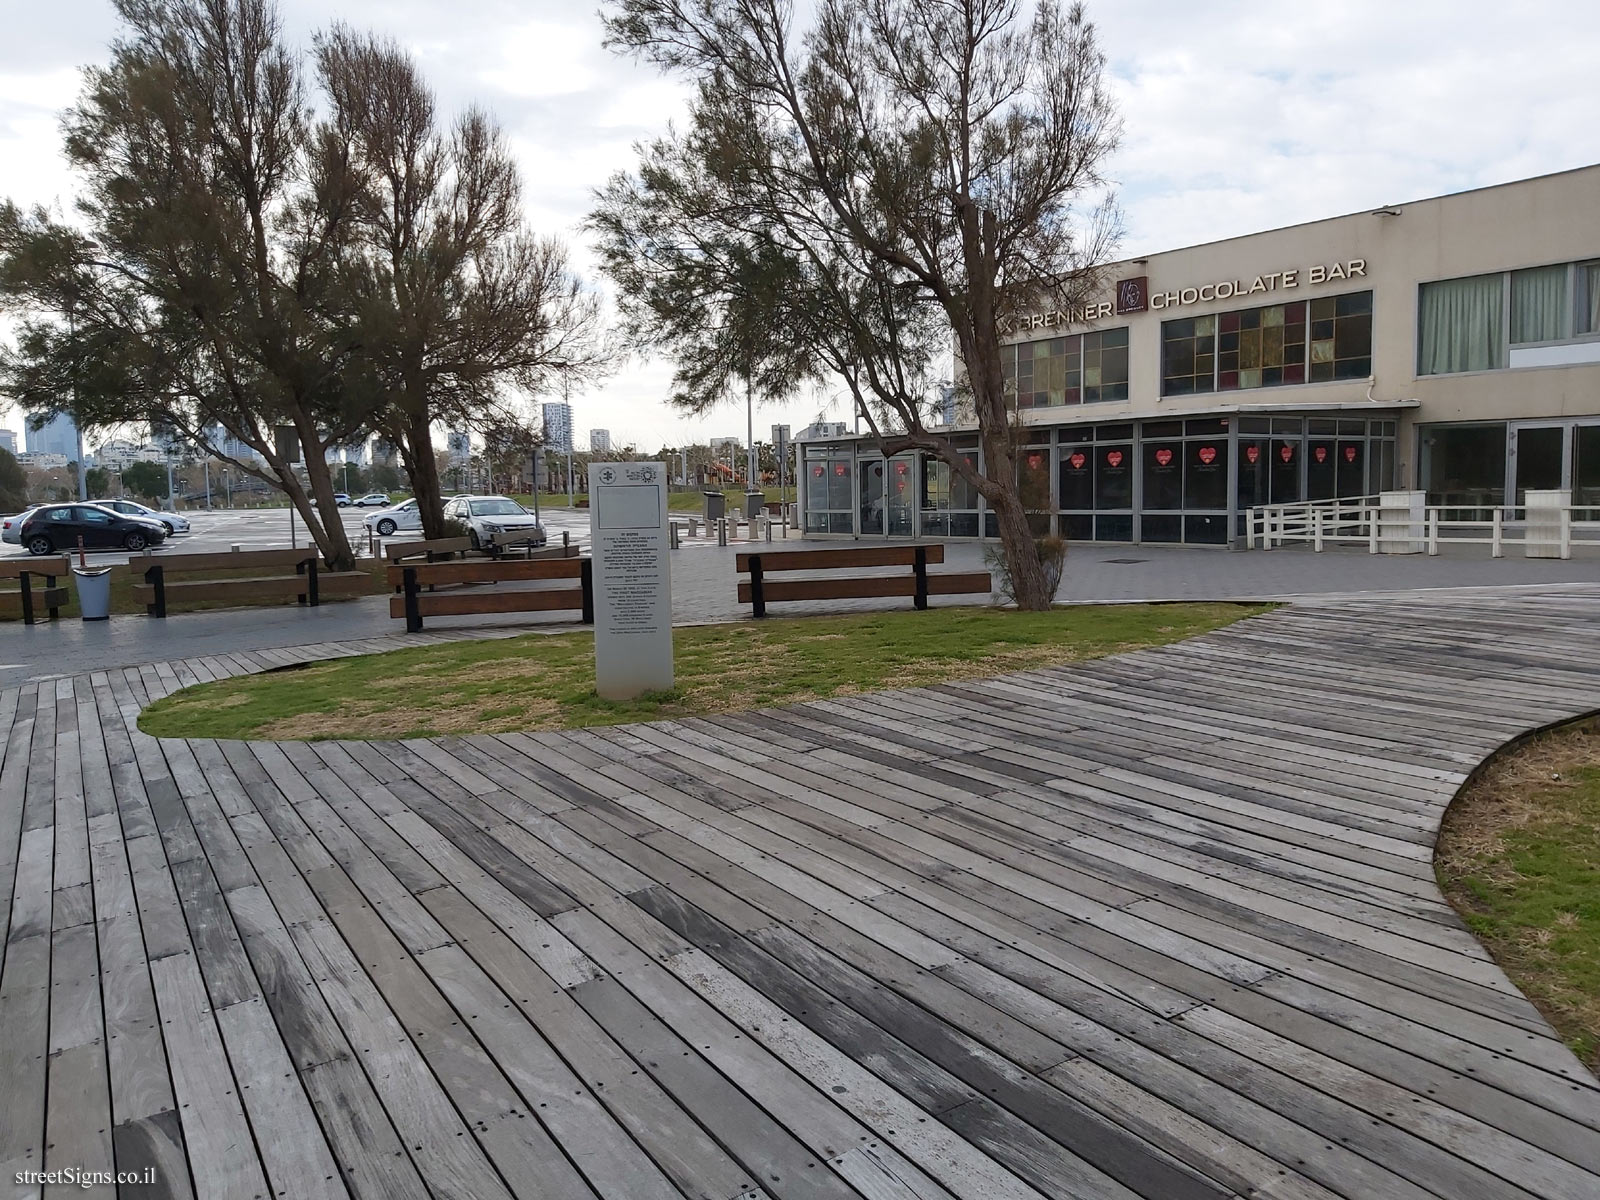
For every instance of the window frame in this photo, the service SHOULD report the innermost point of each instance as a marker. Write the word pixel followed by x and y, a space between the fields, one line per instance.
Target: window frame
pixel 1074 349
pixel 1216 319
pixel 1571 315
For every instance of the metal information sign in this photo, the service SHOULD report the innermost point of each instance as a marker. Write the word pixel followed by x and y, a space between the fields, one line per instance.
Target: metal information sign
pixel 632 579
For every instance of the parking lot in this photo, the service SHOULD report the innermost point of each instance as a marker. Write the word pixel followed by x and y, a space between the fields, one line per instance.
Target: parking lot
pixel 269 528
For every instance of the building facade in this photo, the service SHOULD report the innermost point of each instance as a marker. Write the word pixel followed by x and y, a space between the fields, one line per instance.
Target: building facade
pixel 58 435
pixel 8 440
pixel 1449 345
pixel 556 416
pixel 600 441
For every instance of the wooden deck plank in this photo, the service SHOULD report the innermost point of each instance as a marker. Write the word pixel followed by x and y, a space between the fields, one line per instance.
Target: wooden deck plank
pixel 1117 928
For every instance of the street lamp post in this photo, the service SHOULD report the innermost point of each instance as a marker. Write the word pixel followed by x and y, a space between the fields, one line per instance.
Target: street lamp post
pixel 566 401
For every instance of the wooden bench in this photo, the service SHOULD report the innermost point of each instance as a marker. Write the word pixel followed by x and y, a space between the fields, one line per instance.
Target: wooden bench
pixel 432 549
pixel 299 575
pixel 413 603
pixel 28 598
pixel 758 590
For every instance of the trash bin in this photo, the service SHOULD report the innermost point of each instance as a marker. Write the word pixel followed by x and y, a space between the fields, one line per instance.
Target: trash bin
pixel 94 592
pixel 716 505
pixel 753 501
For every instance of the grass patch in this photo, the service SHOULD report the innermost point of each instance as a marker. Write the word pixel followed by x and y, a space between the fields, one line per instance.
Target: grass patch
pixel 546 681
pixel 1519 857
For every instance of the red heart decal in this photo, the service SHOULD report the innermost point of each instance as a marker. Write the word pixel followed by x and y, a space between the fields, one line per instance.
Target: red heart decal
pixel 1208 455
pixel 841 470
pixel 1252 453
pixel 1349 454
pixel 1320 453
pixel 816 472
pixel 1077 462
pixel 1114 458
pixel 1286 451
pixel 1163 457
pixel 1034 460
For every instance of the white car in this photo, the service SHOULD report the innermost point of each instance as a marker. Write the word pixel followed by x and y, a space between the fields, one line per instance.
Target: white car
pixel 395 518
pixel 373 500
pixel 130 508
pixel 494 522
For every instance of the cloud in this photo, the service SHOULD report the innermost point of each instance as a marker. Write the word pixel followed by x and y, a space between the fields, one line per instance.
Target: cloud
pixel 1239 116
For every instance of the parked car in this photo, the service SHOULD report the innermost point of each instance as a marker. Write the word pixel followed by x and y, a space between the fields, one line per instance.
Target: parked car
pixel 11 527
pixel 54 528
pixel 396 517
pixel 373 500
pixel 494 522
pixel 132 508
pixel 342 499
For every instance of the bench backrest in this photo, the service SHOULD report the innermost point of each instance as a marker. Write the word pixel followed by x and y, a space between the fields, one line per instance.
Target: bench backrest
pixel 843 557
pixel 16 568
pixel 487 570
pixel 223 560
pixel 395 551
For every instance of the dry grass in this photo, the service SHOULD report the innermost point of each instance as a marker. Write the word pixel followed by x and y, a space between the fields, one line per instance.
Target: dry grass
pixel 1519 857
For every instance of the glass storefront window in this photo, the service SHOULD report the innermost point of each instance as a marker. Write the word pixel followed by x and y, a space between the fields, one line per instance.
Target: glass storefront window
pixel 1274 346
pixel 1464 466
pixel 1077 477
pixel 1163 476
pixel 828 495
pixel 1113 475
pixel 1080 368
pixel 1586 473
pixel 1205 473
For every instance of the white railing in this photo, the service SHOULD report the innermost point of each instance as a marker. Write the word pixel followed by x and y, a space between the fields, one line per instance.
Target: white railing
pixel 1363 520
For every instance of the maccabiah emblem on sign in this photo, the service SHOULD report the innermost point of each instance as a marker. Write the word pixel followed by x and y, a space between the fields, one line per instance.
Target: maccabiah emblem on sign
pixel 608 476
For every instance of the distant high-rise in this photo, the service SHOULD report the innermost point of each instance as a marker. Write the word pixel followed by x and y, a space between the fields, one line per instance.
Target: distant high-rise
pixel 600 441
pixel 557 418
pixel 58 436
pixel 8 440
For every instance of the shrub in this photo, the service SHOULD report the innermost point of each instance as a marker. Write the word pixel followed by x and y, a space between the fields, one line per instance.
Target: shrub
pixel 1052 552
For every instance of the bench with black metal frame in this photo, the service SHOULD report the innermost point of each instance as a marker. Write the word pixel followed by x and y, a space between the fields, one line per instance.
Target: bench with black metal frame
pixel 29 599
pixel 413 603
pixel 758 591
pixel 306 582
pixel 431 549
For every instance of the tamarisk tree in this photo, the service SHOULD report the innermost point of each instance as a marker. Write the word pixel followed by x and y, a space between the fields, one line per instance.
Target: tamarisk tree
pixel 198 286
pixel 848 198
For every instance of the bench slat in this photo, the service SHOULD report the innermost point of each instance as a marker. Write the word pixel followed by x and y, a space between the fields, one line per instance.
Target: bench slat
pixel 447 604
pixel 488 570
pixel 15 568
pixel 221 561
pixel 43 598
pixel 844 556
pixel 395 551
pixel 865 587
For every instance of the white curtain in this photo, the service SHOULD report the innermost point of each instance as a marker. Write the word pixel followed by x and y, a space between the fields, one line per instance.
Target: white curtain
pixel 1591 291
pixel 1538 305
pixel 1460 326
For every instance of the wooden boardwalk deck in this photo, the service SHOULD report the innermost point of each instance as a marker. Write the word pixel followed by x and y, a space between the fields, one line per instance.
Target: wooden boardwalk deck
pixel 1157 926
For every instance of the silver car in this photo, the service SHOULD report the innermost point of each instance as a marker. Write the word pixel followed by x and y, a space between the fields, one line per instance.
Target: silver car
pixel 11 527
pixel 494 522
pixel 131 508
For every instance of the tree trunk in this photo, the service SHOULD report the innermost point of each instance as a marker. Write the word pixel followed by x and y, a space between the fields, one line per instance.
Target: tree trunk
pixel 416 447
pixel 329 531
pixel 1016 539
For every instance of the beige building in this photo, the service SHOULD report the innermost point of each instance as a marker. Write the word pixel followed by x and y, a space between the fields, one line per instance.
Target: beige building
pixel 1449 345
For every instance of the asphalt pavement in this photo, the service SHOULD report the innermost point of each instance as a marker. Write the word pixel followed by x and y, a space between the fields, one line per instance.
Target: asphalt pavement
pixel 220 530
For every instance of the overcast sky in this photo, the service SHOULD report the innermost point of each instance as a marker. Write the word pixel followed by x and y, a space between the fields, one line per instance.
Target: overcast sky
pixel 1240 116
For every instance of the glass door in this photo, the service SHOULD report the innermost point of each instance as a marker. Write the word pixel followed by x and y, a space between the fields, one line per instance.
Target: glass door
pixel 870 473
pixel 1538 458
pixel 1586 473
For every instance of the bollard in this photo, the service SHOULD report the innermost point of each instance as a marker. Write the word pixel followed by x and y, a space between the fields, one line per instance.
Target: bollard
pixel 722 531
pixel 672 536
pixel 769 529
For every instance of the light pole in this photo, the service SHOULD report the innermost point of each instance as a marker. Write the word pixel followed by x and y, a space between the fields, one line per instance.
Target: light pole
pixel 567 403
pixel 749 437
